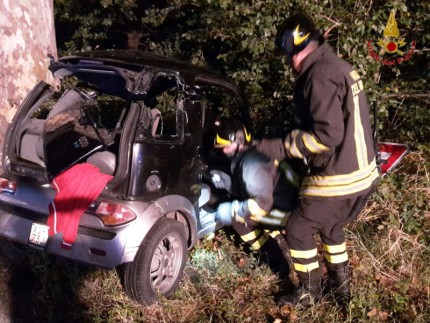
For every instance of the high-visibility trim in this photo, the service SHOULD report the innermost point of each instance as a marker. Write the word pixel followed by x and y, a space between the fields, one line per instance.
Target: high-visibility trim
pixel 247 135
pixel 306 268
pixel 251 235
pixel 360 141
pixel 343 179
pixel 354 75
pixel 221 141
pixel 275 213
pixel 287 146
pixel 335 248
pixel 340 185
pixel 273 234
pixel 239 219
pixel 304 254
pixel 312 144
pixel 291 144
pixel 273 220
pixel 260 242
pixel 295 152
pixel 255 209
pixel 336 259
pixel 279 216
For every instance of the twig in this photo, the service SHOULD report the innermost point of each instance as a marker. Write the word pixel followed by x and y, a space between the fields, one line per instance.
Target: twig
pixel 370 6
pixel 327 32
pixel 375 262
pixel 337 23
pixel 406 95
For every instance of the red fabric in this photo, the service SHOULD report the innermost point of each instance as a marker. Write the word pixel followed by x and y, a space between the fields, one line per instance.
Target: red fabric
pixel 76 189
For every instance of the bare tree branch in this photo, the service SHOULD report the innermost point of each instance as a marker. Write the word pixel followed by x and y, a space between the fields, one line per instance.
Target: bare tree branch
pixel 327 32
pixel 407 95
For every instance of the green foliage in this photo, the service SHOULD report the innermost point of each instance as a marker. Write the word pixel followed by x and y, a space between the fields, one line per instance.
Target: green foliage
pixel 236 38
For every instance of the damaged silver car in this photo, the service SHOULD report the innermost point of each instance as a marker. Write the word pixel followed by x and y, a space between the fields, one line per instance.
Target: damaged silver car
pixel 139 122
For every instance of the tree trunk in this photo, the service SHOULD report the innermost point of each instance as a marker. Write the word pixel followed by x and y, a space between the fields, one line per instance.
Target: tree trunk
pixel 27 36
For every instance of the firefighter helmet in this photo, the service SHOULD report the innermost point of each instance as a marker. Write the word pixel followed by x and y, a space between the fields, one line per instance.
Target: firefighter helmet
pixel 230 131
pixel 294 34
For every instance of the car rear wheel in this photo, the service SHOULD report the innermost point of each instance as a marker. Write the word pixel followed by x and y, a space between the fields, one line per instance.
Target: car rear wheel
pixel 159 263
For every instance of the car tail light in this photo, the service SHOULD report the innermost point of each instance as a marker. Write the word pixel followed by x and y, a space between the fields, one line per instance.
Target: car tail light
pixel 112 214
pixel 8 186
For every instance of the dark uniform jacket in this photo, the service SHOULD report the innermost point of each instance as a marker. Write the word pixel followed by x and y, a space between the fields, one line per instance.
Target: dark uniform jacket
pixel 334 136
pixel 265 192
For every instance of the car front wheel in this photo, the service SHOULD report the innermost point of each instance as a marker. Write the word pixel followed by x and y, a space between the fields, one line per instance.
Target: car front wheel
pixel 159 263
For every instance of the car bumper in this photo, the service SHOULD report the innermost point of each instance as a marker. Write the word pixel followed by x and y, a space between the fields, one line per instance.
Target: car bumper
pixel 94 246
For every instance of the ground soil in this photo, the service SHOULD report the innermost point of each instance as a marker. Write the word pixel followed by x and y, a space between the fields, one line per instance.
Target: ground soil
pixel 15 294
pixel 4 294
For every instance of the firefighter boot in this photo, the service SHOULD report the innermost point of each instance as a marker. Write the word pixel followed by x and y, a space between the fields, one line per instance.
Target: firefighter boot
pixel 339 279
pixel 308 293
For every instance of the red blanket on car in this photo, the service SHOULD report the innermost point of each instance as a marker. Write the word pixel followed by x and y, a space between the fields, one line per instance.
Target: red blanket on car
pixel 76 189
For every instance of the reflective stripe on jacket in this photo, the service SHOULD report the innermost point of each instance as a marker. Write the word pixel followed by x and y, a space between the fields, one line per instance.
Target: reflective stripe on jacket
pixel 266 193
pixel 334 136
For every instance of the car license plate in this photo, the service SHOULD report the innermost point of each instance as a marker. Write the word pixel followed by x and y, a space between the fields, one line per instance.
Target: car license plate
pixel 38 235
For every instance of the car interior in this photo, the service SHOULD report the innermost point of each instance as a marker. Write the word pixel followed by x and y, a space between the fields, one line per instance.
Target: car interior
pixel 93 105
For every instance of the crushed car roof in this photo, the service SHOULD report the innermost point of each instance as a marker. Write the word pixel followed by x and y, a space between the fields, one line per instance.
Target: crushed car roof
pixel 137 60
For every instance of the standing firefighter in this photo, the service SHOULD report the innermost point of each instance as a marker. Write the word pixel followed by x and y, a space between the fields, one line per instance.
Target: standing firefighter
pixel 334 140
pixel 264 191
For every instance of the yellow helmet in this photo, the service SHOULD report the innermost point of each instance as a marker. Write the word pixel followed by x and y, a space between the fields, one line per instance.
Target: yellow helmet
pixel 294 34
pixel 230 131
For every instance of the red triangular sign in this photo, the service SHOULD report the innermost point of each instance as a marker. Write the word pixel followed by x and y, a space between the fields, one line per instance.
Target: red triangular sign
pixel 391 154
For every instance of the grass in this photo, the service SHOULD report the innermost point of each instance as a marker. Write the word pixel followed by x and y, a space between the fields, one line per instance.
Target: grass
pixel 389 254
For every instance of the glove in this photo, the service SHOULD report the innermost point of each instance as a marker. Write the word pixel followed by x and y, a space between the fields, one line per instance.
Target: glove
pixel 228 212
pixel 221 180
pixel 225 213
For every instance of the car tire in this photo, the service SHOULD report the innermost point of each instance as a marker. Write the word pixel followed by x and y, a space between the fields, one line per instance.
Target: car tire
pixel 159 263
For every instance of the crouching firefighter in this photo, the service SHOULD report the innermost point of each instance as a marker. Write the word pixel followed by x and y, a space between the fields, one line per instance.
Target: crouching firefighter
pixel 263 193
